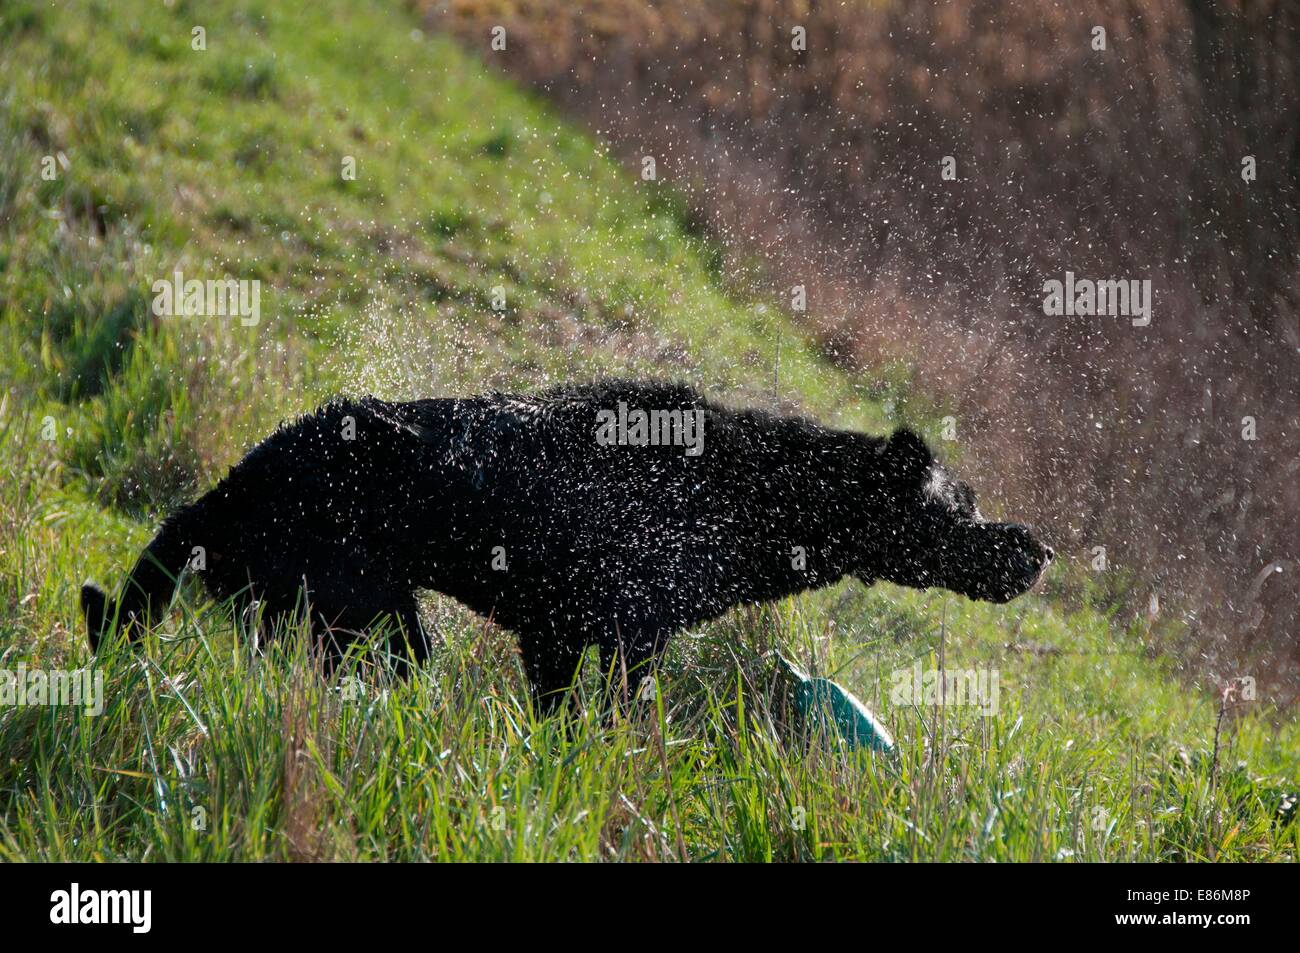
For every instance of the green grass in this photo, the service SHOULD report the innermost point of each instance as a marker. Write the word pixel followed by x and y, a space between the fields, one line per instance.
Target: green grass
pixel 229 161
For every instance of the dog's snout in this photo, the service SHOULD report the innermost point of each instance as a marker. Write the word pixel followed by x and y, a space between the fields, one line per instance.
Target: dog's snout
pixel 1048 553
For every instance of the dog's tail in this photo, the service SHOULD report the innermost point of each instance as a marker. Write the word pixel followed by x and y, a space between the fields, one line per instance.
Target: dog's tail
pixel 147 591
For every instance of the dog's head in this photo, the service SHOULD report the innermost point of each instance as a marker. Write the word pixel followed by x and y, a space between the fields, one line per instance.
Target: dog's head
pixel 929 532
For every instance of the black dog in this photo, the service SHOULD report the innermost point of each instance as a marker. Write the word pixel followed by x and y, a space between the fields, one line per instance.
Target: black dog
pixel 611 514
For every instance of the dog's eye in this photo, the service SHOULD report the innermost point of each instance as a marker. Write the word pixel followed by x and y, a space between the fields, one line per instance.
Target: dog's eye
pixel 965 498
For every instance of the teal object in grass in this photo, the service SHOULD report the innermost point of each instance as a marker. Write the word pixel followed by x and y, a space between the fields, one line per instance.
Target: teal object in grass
pixel 816 698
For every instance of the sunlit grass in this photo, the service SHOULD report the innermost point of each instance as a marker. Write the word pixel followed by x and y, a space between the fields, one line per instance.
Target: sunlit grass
pixel 229 161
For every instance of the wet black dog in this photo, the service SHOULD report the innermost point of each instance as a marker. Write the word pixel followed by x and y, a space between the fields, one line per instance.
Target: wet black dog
pixel 611 514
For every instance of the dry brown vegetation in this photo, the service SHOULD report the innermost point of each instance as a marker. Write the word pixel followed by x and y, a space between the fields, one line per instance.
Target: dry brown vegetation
pixel 1122 163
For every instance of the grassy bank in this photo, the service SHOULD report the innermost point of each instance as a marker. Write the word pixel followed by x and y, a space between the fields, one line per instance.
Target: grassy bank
pixel 483 242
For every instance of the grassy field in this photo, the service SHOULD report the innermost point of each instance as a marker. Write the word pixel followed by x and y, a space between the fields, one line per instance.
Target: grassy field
pixel 231 160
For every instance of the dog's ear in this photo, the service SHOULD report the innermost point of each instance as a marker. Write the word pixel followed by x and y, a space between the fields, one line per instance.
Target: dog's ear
pixel 906 457
pixel 94 605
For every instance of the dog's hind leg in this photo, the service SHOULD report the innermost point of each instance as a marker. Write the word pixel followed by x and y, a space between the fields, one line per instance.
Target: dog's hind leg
pixel 626 658
pixel 359 618
pixel 551 664
pixel 407 640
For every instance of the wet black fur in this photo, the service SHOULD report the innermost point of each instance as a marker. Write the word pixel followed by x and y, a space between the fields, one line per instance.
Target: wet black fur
pixel 616 546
